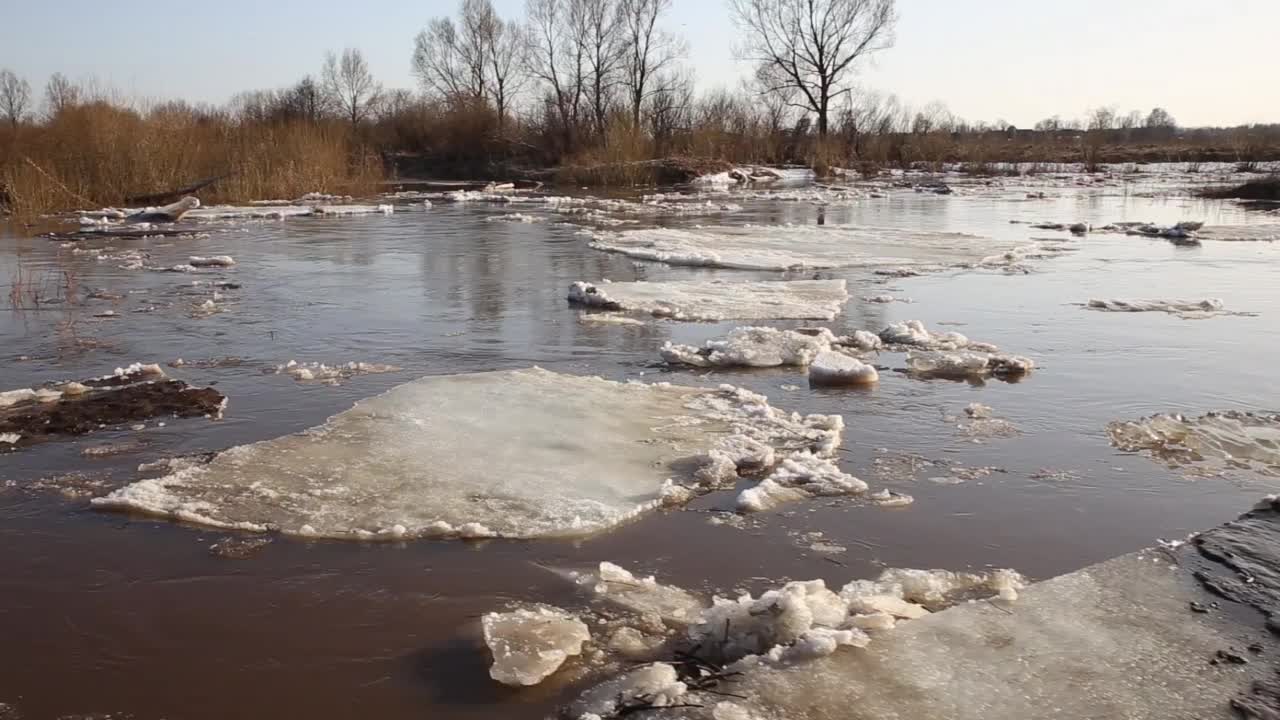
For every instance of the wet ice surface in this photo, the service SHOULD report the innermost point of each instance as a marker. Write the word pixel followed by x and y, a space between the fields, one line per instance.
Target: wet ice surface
pixel 515 454
pixel 442 291
pixel 798 247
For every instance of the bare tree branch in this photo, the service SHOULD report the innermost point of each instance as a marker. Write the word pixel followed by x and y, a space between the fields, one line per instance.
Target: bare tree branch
pixel 811 46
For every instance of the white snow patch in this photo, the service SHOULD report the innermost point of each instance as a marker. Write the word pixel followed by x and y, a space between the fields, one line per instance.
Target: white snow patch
pixel 718 300
pixel 9 438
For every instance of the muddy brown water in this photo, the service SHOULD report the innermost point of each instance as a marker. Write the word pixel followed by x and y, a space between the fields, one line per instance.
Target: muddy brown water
pixel 136 617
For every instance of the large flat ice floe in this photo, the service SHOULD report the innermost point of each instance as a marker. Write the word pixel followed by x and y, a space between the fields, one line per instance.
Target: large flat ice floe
pixel 714 300
pixel 789 247
pixel 524 453
pixel 1218 440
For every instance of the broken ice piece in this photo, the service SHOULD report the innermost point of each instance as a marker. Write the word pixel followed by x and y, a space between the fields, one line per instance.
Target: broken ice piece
pixel 528 645
pixel 831 368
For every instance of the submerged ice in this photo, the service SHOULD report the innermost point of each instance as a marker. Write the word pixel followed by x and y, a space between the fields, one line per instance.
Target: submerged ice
pixel 713 300
pixel 525 453
pixel 1241 440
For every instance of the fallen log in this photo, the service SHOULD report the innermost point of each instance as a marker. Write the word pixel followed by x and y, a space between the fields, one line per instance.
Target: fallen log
pixel 153 198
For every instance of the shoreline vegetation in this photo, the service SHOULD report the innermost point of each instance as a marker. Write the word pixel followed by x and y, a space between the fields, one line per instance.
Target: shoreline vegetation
pixel 574 92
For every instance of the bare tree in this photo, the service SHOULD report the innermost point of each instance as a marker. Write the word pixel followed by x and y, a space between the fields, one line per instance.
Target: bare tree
pixel 446 65
pixel 648 53
pixel 1160 118
pixel 498 45
pixel 554 60
pixel 1103 118
pixel 350 85
pixel 306 100
pixel 479 57
pixel 594 24
pixel 15 97
pixel 811 46
pixel 60 94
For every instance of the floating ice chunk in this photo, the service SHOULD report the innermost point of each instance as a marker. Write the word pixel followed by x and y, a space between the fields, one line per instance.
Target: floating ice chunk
pixel 528 645
pixel 718 300
pixel 645 596
pixel 230 212
pixel 516 218
pixel 331 374
pixel 213 261
pixel 336 210
pixel 889 498
pixel 734 629
pixel 863 340
pixel 786 247
pixel 801 476
pixel 766 495
pixel 1175 307
pixel 835 368
pixel 913 333
pixel 526 453
pixel 752 347
pixel 978 411
pixel 965 364
pixel 1239 440
pixel 654 685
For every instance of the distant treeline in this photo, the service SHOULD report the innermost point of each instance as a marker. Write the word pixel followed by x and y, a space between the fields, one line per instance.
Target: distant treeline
pixel 590 88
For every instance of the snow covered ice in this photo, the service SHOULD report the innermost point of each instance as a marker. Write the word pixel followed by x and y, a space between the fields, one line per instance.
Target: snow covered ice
pixel 788 627
pixel 713 300
pixel 752 347
pixel 790 247
pixel 528 645
pixel 524 453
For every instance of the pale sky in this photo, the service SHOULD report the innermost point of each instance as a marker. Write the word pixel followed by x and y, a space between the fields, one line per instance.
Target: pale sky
pixel 1210 62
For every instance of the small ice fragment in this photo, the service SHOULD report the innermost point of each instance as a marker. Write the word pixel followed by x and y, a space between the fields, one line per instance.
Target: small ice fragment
pixel 528 645
pixel 978 411
pixel 10 438
pixel 834 368
pixel 211 261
